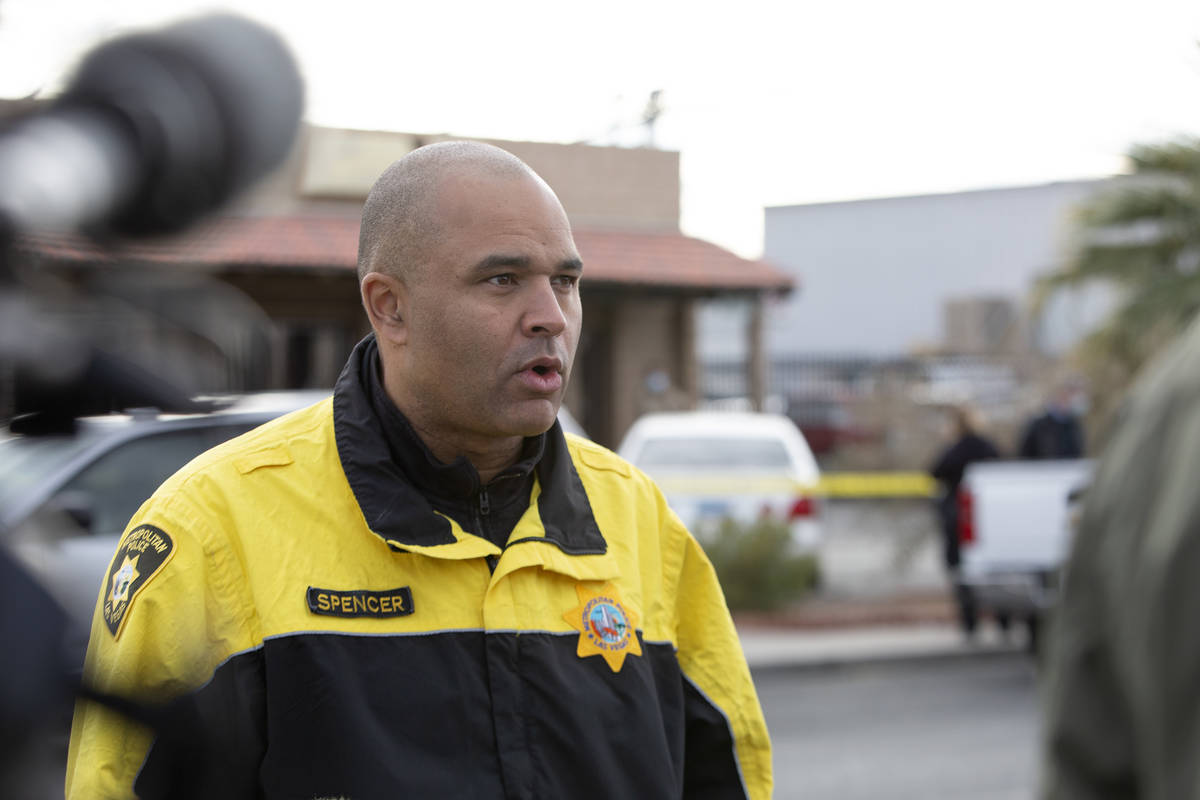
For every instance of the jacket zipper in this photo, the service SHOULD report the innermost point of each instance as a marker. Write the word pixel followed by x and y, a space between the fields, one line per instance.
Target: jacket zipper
pixel 485 508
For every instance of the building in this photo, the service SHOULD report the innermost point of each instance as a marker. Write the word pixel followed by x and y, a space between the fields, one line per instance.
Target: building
pixel 909 304
pixel 878 273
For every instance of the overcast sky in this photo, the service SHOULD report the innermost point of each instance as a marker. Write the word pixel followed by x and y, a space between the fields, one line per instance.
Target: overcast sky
pixel 770 103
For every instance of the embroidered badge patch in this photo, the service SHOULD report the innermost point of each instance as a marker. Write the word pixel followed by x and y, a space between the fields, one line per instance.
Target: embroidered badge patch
pixel 360 602
pixel 606 626
pixel 140 556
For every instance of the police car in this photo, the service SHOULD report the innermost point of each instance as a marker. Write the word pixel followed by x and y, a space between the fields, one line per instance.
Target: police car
pixel 729 465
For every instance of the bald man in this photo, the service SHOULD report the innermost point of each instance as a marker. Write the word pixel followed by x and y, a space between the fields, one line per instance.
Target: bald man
pixel 420 587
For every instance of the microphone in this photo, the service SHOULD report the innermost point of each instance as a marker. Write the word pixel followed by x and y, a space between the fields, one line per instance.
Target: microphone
pixel 154 130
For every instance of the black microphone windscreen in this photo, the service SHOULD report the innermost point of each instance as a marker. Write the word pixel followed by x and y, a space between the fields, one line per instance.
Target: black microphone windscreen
pixel 212 104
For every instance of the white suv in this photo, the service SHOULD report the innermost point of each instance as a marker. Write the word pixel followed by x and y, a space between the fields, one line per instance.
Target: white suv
pixel 741 466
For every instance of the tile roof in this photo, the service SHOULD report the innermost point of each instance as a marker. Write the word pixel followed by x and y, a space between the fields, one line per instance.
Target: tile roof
pixel 672 259
pixel 669 260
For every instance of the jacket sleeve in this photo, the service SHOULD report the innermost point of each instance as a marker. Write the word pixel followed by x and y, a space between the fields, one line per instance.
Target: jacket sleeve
pixel 1088 748
pixel 171 609
pixel 727 748
pixel 1122 698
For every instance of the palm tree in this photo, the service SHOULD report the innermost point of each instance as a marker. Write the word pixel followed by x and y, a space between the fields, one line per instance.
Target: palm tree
pixel 1141 234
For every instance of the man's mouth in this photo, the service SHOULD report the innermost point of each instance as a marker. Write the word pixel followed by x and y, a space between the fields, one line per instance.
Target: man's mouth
pixel 543 375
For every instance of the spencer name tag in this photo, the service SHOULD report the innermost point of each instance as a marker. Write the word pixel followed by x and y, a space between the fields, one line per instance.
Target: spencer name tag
pixel 360 602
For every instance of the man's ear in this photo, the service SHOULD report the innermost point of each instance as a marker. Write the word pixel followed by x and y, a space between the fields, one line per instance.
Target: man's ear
pixel 385 299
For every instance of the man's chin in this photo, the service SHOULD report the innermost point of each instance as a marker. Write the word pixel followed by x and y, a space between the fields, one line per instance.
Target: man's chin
pixel 531 421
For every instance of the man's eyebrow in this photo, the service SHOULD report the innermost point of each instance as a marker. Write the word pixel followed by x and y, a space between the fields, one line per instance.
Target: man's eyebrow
pixel 502 261
pixel 506 261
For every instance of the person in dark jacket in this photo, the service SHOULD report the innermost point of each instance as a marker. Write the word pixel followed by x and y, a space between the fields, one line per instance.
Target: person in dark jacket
pixel 1056 432
pixel 968 447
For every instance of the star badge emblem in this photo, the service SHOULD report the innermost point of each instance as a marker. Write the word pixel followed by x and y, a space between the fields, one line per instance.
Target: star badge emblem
pixel 123 579
pixel 607 627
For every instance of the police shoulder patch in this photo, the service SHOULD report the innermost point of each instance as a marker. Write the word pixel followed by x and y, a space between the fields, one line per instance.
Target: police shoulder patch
pixel 140 556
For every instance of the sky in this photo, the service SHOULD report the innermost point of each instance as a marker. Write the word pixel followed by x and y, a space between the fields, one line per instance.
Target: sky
pixel 768 102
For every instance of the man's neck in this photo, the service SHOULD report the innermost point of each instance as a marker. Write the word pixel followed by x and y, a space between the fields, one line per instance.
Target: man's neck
pixel 489 457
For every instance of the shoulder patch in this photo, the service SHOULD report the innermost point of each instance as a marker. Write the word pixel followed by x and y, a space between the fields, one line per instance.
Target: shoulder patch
pixel 141 555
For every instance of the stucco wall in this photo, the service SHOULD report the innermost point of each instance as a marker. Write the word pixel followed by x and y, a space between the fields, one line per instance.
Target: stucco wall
pixel 873 275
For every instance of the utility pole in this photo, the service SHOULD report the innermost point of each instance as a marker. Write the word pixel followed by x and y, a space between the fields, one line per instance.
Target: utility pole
pixel 650 114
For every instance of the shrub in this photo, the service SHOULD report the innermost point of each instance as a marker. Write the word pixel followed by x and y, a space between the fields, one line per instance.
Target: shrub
pixel 758 567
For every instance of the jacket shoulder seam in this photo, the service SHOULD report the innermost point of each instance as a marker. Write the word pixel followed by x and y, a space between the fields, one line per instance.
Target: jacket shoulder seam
pixel 597 457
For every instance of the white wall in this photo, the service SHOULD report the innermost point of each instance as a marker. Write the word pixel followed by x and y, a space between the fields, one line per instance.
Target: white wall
pixel 873 274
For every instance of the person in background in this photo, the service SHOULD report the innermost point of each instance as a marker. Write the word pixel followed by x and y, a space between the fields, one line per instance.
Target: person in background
pixel 1057 431
pixel 967 447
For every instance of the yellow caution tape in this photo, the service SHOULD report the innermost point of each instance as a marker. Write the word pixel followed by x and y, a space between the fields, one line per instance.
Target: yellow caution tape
pixel 877 484
pixel 833 484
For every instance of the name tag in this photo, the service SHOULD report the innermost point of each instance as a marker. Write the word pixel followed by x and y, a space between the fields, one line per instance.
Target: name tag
pixel 360 602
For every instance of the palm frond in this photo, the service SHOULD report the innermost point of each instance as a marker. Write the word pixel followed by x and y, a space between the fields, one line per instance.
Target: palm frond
pixel 1142 235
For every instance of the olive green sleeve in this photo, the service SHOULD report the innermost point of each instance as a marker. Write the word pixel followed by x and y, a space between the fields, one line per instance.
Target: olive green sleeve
pixel 1088 748
pixel 1123 678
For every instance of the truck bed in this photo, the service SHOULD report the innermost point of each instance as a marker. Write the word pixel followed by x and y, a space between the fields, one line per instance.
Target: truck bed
pixel 1020 532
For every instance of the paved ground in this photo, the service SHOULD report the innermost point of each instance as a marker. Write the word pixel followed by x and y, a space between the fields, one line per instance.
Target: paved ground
pixel 904 730
pixel 869 688
pixel 775 648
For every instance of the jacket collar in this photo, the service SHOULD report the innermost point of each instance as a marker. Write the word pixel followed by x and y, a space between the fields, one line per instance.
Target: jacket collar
pixel 444 485
pixel 399 511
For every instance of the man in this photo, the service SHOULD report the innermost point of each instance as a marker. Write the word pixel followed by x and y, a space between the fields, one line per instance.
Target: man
pixel 1055 433
pixel 1122 698
pixel 968 447
pixel 420 588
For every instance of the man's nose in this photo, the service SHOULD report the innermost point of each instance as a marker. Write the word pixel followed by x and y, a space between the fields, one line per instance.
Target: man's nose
pixel 545 315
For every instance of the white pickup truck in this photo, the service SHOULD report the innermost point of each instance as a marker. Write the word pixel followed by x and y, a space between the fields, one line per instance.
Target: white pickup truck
pixel 1014 532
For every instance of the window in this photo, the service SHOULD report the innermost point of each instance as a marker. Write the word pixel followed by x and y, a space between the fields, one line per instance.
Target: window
pixel 27 462
pixel 714 453
pixel 113 486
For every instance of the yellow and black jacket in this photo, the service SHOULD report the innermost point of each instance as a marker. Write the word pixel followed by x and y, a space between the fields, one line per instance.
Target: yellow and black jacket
pixel 320 630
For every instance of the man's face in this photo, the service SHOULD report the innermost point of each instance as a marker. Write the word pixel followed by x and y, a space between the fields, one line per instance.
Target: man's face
pixel 494 312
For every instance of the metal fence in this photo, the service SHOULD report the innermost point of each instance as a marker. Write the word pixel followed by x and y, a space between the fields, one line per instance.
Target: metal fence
pixel 980 381
pixel 865 412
